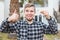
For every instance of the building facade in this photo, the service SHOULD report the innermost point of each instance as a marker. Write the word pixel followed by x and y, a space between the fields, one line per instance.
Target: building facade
pixel 47 5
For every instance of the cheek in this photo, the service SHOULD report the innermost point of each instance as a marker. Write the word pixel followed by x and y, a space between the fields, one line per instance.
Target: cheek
pixel 32 13
pixel 26 13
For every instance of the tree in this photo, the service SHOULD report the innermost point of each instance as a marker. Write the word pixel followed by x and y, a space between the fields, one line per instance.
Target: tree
pixel 14 4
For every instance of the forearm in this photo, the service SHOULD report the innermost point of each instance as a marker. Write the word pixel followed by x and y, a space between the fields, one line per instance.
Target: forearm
pixel 52 25
pixel 3 26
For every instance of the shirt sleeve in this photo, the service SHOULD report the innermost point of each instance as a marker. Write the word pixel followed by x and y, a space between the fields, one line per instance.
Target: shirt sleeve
pixel 51 28
pixel 7 27
pixel 4 25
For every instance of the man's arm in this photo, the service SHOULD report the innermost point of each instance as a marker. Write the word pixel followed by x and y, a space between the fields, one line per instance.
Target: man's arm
pixel 52 27
pixel 10 22
pixel 4 26
pixel 7 26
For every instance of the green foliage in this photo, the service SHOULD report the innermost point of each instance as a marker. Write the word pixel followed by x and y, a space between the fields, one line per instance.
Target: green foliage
pixel 4 36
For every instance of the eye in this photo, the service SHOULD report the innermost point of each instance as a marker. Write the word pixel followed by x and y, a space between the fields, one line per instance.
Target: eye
pixel 31 11
pixel 26 10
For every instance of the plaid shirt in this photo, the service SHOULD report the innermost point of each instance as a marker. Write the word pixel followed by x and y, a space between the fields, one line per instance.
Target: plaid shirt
pixel 4 27
pixel 34 31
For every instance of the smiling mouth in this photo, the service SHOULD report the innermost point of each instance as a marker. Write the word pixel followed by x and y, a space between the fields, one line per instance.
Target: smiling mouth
pixel 29 15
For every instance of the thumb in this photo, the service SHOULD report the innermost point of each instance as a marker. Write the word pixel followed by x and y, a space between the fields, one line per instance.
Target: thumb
pixel 15 11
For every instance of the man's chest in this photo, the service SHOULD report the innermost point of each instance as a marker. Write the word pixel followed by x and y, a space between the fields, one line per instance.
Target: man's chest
pixel 31 32
pixel 30 29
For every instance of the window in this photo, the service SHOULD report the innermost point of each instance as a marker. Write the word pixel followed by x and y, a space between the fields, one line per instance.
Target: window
pixel 39 3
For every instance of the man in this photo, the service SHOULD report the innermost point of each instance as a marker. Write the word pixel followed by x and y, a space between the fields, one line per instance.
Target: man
pixel 30 29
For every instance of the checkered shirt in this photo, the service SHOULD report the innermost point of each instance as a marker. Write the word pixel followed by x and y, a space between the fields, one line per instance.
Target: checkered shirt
pixel 34 31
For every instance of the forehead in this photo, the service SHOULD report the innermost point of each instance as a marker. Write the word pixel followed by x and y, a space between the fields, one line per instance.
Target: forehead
pixel 30 8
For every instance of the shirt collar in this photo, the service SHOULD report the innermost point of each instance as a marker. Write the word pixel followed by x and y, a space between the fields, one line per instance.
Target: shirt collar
pixel 27 22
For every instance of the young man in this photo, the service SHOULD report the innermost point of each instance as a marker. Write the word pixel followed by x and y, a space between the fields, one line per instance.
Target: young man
pixel 30 29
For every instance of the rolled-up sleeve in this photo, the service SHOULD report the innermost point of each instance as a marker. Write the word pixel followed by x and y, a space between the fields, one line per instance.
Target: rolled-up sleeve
pixel 52 28
pixel 6 26
pixel 3 26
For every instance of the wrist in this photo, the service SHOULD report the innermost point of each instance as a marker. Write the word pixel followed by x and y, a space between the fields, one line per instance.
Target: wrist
pixel 48 17
pixel 7 21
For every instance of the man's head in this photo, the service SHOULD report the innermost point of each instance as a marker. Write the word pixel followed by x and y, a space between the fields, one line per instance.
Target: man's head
pixel 29 11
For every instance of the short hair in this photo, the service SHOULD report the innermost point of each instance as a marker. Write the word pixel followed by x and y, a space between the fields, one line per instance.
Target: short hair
pixel 29 5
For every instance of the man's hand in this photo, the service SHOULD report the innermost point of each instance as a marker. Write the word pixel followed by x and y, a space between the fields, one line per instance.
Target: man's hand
pixel 14 17
pixel 45 13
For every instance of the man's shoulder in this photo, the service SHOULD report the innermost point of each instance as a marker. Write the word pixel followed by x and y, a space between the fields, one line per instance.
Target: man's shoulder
pixel 5 20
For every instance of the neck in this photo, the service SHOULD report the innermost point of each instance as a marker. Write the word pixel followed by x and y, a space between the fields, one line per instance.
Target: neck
pixel 30 22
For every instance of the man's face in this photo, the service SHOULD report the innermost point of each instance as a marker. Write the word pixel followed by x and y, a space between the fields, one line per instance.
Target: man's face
pixel 29 13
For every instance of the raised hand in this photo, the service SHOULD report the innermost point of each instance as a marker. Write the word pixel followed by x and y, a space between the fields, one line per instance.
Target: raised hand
pixel 45 13
pixel 14 17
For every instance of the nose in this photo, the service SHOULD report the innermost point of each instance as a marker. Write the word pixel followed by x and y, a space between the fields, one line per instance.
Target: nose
pixel 29 12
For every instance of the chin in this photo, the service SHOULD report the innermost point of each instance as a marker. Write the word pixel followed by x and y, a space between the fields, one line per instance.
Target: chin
pixel 29 19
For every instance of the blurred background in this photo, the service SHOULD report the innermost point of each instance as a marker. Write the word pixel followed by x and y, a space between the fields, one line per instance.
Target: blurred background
pixel 52 6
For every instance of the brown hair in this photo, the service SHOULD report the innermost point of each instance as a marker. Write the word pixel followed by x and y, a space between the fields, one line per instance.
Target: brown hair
pixel 29 5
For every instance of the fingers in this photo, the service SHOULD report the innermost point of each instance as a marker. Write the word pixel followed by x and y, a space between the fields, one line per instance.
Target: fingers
pixel 13 17
pixel 42 12
pixel 15 11
pixel 9 19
